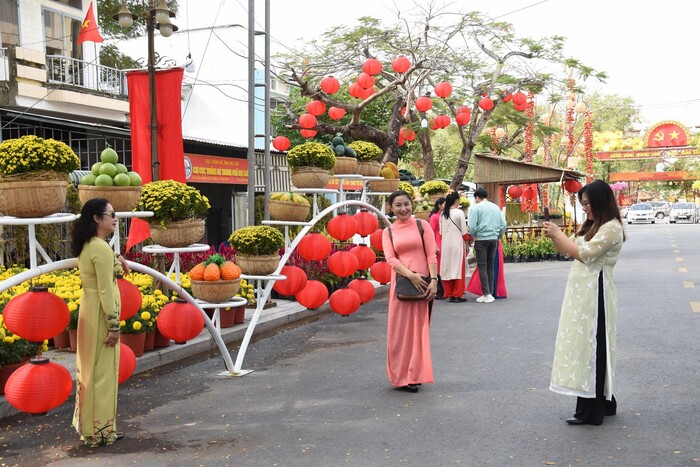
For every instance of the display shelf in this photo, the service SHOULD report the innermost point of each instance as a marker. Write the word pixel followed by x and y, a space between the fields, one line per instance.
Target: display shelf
pixel 216 316
pixel 315 192
pixel 175 267
pixel 287 225
pixel 34 247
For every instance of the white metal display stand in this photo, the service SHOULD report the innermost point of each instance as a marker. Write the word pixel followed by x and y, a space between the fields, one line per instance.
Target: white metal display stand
pixel 194 248
pixel 31 224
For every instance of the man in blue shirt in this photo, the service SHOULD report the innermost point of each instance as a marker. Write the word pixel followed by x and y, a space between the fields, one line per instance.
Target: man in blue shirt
pixel 486 226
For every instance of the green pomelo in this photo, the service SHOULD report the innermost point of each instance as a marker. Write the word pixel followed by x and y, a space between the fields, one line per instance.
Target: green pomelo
pixel 109 155
pixel 135 179
pixel 121 169
pixel 95 169
pixel 88 179
pixel 108 168
pixel 104 180
pixel 122 180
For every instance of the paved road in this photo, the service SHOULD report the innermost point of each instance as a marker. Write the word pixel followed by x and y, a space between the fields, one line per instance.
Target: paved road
pixel 319 395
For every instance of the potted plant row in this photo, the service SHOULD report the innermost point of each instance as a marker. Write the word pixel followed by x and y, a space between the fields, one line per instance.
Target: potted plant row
pixel 311 164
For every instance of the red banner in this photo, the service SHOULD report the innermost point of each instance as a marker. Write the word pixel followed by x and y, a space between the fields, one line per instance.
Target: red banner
pixel 650 176
pixel 648 153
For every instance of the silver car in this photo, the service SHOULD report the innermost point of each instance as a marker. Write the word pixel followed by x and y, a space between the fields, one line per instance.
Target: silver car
pixel 662 208
pixel 641 212
pixel 683 212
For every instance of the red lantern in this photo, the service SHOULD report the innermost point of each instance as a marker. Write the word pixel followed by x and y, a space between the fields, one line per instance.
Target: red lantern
pixel 572 186
pixel 342 227
pixel 366 222
pixel 528 192
pixel 336 113
pixel 519 98
pixel 508 98
pixel 372 66
pixel 365 93
pixel 365 256
pixel 515 191
pixel 330 85
pixel 424 103
pixel 281 143
pixel 365 80
pixel 464 109
pixel 355 90
pixel 130 297
pixel 343 263
pixel 307 121
pixel 39 386
pixel 381 272
pixel 314 247
pixel 408 134
pixel 313 295
pixel 442 121
pixel 520 107
pixel 316 108
pixel 36 315
pixel 400 141
pixel 180 321
pixel 443 89
pixel 486 104
pixel 127 362
pixel 433 125
pixel 307 133
pixel 462 118
pixel 293 284
pixel 401 64
pixel 364 289
pixel 345 301
pixel 375 239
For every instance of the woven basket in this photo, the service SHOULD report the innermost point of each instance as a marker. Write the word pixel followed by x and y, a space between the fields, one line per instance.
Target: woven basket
pixel 178 234
pixel 388 185
pixel 435 197
pixel 288 211
pixel 368 168
pixel 310 177
pixel 345 165
pixel 425 215
pixel 215 291
pixel 258 265
pixel 32 198
pixel 122 198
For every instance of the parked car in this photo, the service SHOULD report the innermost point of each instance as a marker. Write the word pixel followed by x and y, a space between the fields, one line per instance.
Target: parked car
pixel 641 212
pixel 684 212
pixel 662 208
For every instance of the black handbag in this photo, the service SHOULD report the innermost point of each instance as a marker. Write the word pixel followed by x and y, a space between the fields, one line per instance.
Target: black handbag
pixel 405 290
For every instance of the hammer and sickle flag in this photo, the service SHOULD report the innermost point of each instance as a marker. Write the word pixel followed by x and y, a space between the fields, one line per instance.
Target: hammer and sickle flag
pixel 89 31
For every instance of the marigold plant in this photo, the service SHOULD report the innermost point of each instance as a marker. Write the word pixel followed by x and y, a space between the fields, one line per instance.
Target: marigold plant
pixel 311 154
pixel 172 201
pixel 31 153
pixel 258 240
pixel 366 151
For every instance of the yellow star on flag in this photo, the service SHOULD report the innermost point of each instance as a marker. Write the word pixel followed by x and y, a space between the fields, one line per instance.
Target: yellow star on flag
pixel 86 24
pixel 674 134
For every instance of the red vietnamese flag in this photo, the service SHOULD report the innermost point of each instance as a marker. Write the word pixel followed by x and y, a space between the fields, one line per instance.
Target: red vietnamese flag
pixel 89 31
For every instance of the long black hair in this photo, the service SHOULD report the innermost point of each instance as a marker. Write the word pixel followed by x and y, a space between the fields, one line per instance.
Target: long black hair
pixel 602 203
pixel 449 201
pixel 439 202
pixel 85 227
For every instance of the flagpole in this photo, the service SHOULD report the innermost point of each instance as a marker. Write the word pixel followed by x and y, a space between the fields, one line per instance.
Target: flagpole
pixel 150 27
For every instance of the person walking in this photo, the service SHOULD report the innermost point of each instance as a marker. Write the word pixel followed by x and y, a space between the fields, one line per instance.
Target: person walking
pixel 97 359
pixel 435 225
pixel 486 226
pixel 586 345
pixel 409 248
pixel 455 237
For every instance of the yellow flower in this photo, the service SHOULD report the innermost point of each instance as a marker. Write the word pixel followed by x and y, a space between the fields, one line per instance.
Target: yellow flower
pixel 145 316
pixel 8 339
pixel 136 325
pixel 122 323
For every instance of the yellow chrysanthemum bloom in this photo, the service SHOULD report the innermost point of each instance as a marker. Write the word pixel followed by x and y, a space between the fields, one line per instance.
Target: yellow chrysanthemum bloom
pixel 145 316
pixel 136 325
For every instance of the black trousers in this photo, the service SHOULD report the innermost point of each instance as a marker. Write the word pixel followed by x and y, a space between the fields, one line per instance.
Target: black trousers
pixel 593 410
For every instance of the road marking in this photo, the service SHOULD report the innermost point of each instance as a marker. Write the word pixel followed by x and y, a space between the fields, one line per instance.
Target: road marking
pixel 688 285
pixel 695 306
pixel 679 259
pixel 676 251
pixel 682 269
pixel 674 245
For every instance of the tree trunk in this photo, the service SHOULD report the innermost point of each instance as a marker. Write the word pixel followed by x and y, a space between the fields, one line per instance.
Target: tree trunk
pixel 426 145
pixel 465 156
pixel 391 147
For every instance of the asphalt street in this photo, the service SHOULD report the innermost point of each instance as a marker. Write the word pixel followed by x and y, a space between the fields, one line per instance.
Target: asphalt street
pixel 319 395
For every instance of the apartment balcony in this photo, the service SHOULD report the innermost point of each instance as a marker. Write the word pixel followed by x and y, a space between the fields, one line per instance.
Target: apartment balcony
pixel 66 71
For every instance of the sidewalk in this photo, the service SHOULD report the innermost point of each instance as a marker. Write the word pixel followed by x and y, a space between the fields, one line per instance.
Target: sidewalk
pixel 271 318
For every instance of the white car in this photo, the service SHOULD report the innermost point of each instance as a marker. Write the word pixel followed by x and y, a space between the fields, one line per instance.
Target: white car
pixel 641 212
pixel 683 212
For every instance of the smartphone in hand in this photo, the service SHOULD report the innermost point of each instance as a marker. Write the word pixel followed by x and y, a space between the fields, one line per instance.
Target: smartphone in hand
pixel 546 214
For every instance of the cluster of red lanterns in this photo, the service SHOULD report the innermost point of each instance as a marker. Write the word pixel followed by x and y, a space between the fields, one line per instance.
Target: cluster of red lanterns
pixel 519 100
pixel 464 115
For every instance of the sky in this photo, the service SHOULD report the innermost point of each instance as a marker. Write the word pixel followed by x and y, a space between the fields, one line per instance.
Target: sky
pixel 647 50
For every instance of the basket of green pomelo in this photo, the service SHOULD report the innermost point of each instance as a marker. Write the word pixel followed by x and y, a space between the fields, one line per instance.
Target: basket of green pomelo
pixel 112 180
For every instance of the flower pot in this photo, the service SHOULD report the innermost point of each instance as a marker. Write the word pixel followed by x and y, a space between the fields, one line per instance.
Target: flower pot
pixel 73 339
pixel 345 165
pixel 369 168
pixel 227 317
pixel 258 265
pixel 177 234
pixel 310 177
pixel 150 341
pixel 136 342
pixel 288 210
pixel 215 291
pixel 122 198
pixel 388 185
pixel 239 314
pixel 425 215
pixel 61 340
pixel 160 340
pixel 32 198
pixel 6 370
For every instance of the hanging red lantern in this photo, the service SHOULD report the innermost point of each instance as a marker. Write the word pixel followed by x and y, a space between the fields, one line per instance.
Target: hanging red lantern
pixel 401 64
pixel 408 134
pixel 519 98
pixel 515 191
pixel 342 227
pixel 355 90
pixel 131 299
pixel 462 118
pixel 364 289
pixel 366 222
pixel 314 247
pixel 281 143
pixel 486 104
pixel 433 125
pixel 39 386
pixel 180 321
pixel 336 113
pixel 520 107
pixel 365 93
pixel 381 272
pixel 127 363
pixel 365 256
pixel 313 295
pixel 572 186
pixel 464 109
pixel 307 133
pixel 424 103
pixel 400 141
pixel 365 80
pixel 344 301
pixel 36 315
pixel 293 284
pixel 307 121
pixel 330 85
pixel 508 98
pixel 372 66
pixel 528 192
pixel 443 89
pixel 442 121
pixel 343 263
pixel 375 239
pixel 316 108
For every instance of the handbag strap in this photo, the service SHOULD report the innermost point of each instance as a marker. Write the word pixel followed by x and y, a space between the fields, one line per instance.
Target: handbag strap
pixel 419 224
